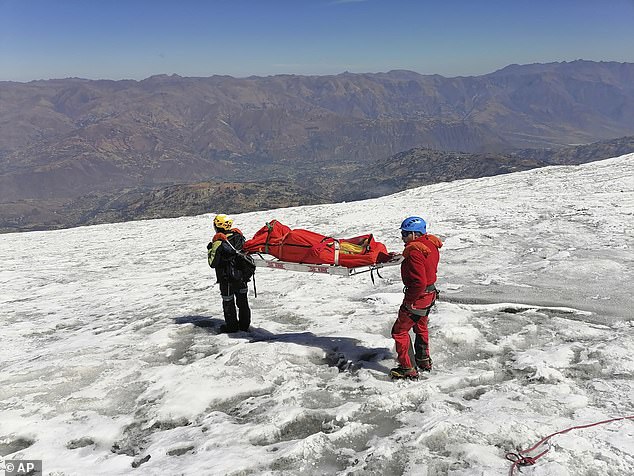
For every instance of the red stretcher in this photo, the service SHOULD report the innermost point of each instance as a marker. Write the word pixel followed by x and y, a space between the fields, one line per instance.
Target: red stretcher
pixel 274 263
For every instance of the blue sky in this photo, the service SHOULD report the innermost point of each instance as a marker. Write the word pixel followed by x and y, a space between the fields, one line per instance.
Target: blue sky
pixel 135 39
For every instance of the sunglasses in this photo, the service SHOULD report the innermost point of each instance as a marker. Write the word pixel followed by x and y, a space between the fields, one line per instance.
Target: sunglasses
pixel 405 233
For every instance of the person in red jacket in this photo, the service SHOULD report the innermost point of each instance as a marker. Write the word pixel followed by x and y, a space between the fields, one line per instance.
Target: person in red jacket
pixel 418 272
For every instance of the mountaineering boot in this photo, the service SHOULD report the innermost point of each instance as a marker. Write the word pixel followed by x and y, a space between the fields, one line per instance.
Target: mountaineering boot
pixel 404 372
pixel 424 365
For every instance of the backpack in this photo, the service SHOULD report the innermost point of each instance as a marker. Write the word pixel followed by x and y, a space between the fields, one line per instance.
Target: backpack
pixel 241 268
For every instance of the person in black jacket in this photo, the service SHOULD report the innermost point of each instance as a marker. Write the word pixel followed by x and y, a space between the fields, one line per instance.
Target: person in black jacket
pixel 222 254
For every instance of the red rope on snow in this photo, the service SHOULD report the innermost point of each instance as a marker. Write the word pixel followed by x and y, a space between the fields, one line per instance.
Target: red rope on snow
pixel 519 459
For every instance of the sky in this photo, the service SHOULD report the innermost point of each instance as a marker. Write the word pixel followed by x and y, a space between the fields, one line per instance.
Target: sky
pixel 135 39
pixel 111 352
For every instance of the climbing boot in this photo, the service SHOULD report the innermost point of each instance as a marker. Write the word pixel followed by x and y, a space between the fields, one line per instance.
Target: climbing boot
pixel 404 373
pixel 424 365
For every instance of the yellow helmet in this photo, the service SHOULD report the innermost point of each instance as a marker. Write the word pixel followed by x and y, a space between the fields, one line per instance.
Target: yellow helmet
pixel 223 222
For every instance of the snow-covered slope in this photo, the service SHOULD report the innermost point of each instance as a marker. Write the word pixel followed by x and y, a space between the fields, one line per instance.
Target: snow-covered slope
pixel 110 350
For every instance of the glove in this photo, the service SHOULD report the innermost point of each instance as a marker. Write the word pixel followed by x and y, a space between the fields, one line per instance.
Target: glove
pixel 219 236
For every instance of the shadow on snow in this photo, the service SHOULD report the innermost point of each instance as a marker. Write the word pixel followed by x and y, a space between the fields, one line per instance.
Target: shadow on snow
pixel 344 353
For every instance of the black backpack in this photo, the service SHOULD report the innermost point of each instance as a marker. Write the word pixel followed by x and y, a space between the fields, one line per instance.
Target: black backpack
pixel 241 267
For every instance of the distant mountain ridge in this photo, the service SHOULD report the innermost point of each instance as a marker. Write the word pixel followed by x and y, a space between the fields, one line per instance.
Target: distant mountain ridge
pixel 64 139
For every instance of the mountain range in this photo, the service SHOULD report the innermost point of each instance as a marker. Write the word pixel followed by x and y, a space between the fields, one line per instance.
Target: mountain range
pixel 76 151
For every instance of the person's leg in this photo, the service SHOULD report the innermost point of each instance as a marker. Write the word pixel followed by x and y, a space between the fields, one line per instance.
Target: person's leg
pixel 244 312
pixel 400 334
pixel 229 307
pixel 421 344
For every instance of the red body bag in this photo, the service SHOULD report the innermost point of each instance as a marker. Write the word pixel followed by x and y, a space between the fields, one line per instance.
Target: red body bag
pixel 303 246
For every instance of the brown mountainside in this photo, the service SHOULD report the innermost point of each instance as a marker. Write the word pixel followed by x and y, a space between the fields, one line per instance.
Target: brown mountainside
pixel 70 138
pixel 579 154
pixel 412 168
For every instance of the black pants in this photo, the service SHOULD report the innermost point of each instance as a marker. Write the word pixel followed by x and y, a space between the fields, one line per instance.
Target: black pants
pixel 232 295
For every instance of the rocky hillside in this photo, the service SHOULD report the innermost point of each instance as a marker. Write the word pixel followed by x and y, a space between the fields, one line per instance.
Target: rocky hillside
pixel 579 154
pixel 417 167
pixel 408 169
pixel 195 199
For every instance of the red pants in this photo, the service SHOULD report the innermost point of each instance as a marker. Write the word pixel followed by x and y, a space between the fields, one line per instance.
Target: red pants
pixel 400 333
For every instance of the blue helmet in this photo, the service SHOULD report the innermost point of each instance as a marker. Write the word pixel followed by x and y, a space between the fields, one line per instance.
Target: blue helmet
pixel 416 224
